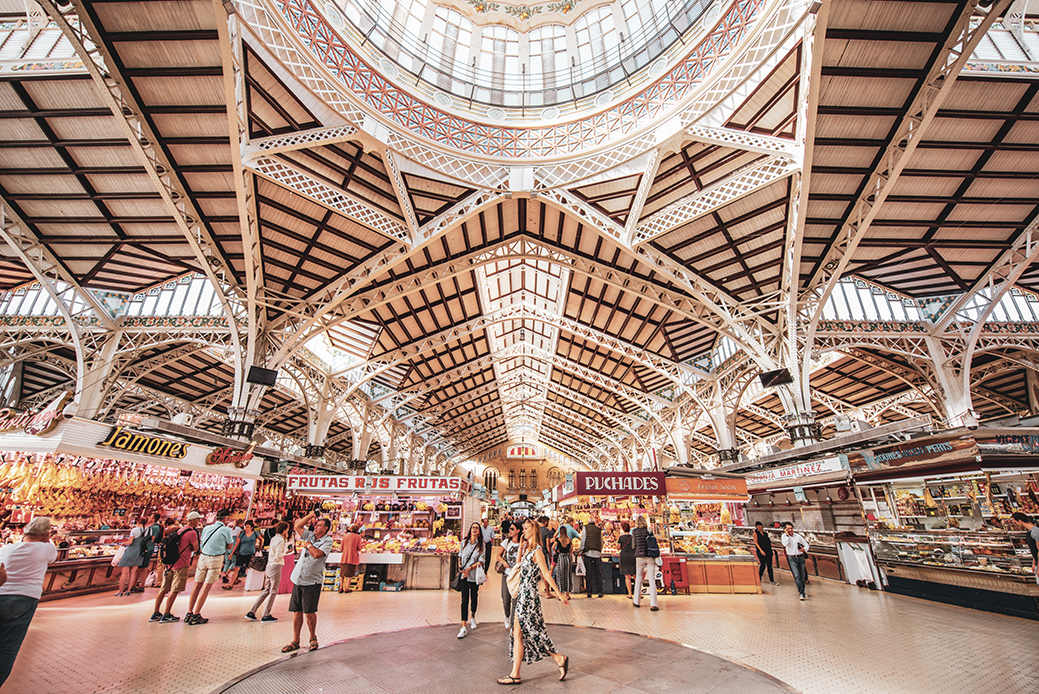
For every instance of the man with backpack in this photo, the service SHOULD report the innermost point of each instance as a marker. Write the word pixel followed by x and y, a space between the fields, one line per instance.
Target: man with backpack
pixel 647 550
pixel 175 553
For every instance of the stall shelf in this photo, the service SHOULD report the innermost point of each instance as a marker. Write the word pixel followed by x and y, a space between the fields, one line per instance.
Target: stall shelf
pixel 938 516
pixel 417 554
pixel 700 531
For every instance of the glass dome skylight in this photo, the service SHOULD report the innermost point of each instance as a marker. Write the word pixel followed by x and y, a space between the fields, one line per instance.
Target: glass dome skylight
pixel 541 65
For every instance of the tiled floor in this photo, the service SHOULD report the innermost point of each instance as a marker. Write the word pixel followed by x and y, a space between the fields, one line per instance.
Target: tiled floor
pixel 432 659
pixel 843 640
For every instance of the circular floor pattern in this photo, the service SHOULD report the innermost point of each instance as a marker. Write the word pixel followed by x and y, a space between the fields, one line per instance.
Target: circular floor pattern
pixel 432 660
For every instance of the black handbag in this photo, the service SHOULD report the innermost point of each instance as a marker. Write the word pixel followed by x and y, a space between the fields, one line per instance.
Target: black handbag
pixel 457 583
pixel 258 563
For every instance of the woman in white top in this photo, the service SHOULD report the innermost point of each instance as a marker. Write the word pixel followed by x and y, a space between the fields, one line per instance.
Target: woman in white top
pixel 25 565
pixel 272 577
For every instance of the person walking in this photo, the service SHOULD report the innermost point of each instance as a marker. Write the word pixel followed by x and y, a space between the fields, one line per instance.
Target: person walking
pixel 272 575
pixel 24 566
pixel 530 641
pixel 351 549
pixel 152 538
pixel 627 556
pixel 470 559
pixel 1024 521
pixel 308 576
pixel 509 557
pixel 130 562
pixel 246 545
pixel 591 551
pixel 562 549
pixel 643 540
pixel 215 542
pixel 545 539
pixel 763 550
pixel 487 530
pixel 796 551
pixel 175 577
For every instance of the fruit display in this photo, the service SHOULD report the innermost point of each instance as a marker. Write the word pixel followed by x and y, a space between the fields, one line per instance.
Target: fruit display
pixel 65 486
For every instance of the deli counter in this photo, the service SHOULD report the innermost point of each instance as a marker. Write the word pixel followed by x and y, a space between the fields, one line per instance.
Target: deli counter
pixel 984 570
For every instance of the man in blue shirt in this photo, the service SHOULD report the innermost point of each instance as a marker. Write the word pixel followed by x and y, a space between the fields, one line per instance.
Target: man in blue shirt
pixel 308 576
pixel 214 542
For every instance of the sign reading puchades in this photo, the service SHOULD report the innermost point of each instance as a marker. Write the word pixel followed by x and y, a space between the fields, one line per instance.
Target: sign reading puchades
pixel 619 483
pixel 34 423
pixel 375 484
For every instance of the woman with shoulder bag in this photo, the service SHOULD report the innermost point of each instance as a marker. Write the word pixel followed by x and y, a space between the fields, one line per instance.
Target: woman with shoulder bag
pixel 470 566
pixel 505 566
pixel 645 561
pixel 243 551
pixel 530 642
pixel 627 556
pixel 272 574
pixel 562 548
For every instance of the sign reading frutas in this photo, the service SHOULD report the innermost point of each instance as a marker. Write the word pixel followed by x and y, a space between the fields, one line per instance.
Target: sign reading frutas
pixel 34 423
pixel 123 439
pixel 224 456
pixel 359 483
pixel 619 483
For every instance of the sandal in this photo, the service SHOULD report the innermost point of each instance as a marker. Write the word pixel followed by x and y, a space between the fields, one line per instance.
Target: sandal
pixel 294 646
pixel 509 680
pixel 313 644
pixel 564 667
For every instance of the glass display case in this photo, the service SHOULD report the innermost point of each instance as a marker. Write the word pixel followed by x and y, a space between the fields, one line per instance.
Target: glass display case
pixel 990 552
pixel 707 540
pixel 88 544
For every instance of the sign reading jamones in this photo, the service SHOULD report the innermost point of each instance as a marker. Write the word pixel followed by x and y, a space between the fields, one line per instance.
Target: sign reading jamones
pixel 338 484
pixel 619 483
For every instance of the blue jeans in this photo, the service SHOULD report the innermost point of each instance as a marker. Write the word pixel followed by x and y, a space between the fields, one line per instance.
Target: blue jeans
pixel 16 612
pixel 797 567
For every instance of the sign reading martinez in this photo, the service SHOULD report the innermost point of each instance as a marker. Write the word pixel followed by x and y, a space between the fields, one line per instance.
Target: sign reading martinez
pixel 336 484
pixel 815 467
pixel 620 483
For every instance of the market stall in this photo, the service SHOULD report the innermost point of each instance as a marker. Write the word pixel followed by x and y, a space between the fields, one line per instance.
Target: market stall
pixel 938 510
pixel 411 525
pixel 611 498
pixel 94 479
pixel 705 511
pixel 817 497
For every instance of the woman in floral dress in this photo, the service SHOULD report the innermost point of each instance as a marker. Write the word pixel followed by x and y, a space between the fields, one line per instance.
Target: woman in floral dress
pixel 529 640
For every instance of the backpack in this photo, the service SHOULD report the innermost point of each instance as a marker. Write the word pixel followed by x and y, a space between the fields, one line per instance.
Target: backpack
pixel 169 550
pixel 652 548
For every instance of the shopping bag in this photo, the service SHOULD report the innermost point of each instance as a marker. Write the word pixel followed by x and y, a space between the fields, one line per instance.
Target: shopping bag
pixel 481 575
pixel 580 566
pixel 153 579
pixel 118 555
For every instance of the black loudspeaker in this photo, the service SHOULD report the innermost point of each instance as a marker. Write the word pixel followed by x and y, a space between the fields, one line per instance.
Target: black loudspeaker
pixel 262 376
pixel 779 377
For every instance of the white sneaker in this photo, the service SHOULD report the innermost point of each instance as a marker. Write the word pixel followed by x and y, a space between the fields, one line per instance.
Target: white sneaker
pixel 472 623
pixel 462 632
